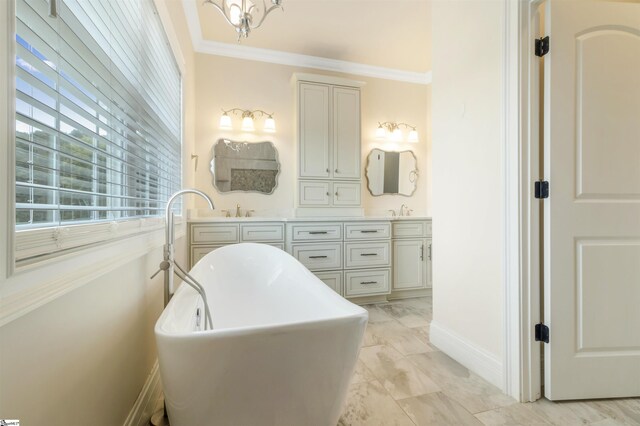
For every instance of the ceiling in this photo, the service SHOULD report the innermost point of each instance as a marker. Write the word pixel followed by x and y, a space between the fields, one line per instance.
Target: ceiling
pixel 387 33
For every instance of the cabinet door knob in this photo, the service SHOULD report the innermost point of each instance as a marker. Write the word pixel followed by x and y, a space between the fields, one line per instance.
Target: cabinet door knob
pixel 327 170
pixel 328 194
pixel 336 170
pixel 336 193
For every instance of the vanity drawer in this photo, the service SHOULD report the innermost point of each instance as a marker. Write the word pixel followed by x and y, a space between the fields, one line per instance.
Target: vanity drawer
pixel 224 233
pixel 367 231
pixel 316 231
pixel 198 253
pixel 410 229
pixel 332 279
pixel 367 255
pixel 258 233
pixel 319 256
pixel 366 283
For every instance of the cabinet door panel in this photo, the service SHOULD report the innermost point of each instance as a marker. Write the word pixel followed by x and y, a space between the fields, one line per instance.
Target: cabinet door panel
pixel 346 133
pixel 409 264
pixel 346 194
pixel 331 279
pixel 198 252
pixel 314 193
pixel 314 131
pixel 429 248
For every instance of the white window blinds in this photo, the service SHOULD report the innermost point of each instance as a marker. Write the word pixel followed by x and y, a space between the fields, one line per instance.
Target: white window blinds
pixel 98 118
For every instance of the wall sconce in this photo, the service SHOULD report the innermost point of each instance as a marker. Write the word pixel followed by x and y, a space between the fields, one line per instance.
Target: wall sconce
pixel 391 131
pixel 247 119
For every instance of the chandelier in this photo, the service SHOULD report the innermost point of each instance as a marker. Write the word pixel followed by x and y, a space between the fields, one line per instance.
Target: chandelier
pixel 244 15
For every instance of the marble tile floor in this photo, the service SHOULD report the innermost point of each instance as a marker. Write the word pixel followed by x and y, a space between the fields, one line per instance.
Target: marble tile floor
pixel 402 380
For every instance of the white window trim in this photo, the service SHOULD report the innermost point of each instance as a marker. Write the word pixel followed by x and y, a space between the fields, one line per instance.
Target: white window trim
pixel 26 287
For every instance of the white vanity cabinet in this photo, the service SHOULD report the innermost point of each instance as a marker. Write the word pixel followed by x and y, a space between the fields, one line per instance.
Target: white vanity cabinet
pixel 363 260
pixel 206 237
pixel 352 257
pixel 411 257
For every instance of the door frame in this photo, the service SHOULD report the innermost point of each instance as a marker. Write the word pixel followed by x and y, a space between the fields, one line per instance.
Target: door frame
pixel 521 212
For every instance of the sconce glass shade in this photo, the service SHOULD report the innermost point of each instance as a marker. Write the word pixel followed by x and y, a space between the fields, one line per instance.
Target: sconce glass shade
pixel 225 121
pixel 269 125
pixel 247 124
pixel 413 136
pixel 381 132
pixel 396 135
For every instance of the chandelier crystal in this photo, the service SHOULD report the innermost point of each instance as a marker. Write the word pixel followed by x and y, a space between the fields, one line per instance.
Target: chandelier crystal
pixel 244 15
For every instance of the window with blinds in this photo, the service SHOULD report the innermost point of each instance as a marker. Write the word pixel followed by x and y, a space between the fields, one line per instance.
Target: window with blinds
pixel 98 119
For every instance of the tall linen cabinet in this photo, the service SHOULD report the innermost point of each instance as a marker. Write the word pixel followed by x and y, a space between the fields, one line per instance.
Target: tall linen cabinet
pixel 329 145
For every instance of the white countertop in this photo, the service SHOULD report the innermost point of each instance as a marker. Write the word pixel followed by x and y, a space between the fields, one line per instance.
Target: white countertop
pixel 217 219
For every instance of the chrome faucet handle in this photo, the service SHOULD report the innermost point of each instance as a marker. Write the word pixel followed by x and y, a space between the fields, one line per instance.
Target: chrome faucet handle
pixel 409 212
pixel 227 213
pixel 248 213
pixel 393 213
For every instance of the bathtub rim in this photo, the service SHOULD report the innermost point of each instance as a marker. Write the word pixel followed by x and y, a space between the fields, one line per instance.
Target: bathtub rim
pixel 187 292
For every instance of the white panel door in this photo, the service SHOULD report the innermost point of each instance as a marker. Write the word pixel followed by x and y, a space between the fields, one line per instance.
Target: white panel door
pixel 313 131
pixel 592 218
pixel 346 133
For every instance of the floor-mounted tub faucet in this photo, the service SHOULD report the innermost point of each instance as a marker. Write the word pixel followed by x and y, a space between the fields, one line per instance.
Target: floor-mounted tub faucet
pixel 169 264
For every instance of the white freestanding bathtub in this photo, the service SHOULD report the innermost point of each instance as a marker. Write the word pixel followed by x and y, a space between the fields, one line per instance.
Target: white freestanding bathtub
pixel 282 349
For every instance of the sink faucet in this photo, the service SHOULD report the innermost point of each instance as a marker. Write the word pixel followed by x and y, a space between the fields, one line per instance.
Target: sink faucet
pixel 238 214
pixel 169 265
pixel 402 209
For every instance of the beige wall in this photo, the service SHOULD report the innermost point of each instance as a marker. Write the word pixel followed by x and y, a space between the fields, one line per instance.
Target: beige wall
pixel 83 358
pixel 467 172
pixel 228 83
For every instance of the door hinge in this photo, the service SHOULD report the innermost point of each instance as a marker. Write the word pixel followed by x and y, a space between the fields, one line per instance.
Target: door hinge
pixel 541 189
pixel 542 46
pixel 542 333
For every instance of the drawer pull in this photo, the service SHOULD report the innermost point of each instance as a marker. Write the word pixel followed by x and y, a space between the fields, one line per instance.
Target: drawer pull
pixel 318 232
pixel 368 282
pixel 317 257
pixel 368 254
pixel 372 231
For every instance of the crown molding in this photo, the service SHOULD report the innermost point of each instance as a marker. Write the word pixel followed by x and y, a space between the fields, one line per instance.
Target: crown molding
pixel 292 59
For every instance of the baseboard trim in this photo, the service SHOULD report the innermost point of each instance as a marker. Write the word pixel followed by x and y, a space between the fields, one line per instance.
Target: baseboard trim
pixel 409 294
pixel 145 404
pixel 478 360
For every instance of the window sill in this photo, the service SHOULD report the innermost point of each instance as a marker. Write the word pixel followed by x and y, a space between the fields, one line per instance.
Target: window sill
pixel 37 284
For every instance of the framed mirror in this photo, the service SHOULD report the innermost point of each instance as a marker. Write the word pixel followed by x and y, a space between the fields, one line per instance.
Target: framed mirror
pixel 245 166
pixel 391 172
